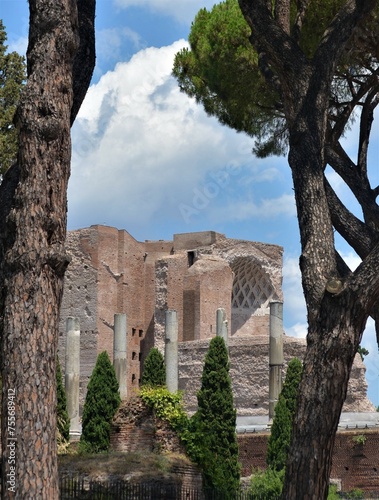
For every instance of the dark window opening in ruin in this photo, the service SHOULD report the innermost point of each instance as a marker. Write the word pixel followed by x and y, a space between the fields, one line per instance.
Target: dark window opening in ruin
pixel 210 328
pixel 134 355
pixel 140 333
pixel 139 356
pixel 133 378
pixel 133 332
pixel 191 258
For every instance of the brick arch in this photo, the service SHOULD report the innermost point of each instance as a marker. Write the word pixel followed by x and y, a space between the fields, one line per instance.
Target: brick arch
pixel 252 292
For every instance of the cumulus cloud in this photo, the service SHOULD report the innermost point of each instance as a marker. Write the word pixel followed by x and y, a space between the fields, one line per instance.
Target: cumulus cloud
pixel 140 146
pixel 183 11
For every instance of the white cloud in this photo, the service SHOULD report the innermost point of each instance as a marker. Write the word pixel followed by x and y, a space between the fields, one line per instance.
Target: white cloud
pixel 140 145
pixel 183 11
pixel 351 259
pixel 109 42
pixel 18 45
pixel 266 208
pixel 297 330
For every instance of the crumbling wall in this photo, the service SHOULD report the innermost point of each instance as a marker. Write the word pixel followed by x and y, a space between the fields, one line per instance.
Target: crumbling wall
pixel 354 466
pixel 249 363
pixel 80 300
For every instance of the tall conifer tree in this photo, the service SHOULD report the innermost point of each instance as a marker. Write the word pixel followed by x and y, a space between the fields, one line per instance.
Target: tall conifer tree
pixel 280 437
pixel 12 77
pixel 214 424
pixel 101 404
pixel 154 372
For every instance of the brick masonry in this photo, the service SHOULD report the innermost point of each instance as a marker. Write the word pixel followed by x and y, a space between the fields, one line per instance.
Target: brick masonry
pixel 195 274
pixel 355 466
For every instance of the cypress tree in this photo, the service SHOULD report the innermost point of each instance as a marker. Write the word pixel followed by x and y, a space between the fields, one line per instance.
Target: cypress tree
pixel 154 372
pixel 12 78
pixel 279 441
pixel 102 401
pixel 214 445
pixel 63 420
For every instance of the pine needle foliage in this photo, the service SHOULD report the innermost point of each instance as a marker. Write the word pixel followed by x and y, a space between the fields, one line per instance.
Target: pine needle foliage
pixel 12 79
pixel 154 372
pixel 63 420
pixel 280 437
pixel 213 442
pixel 102 402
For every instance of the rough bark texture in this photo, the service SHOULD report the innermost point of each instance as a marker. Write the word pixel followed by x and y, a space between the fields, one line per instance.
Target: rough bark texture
pixel 32 255
pixel 338 301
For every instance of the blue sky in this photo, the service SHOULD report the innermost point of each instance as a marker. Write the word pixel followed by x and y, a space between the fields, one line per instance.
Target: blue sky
pixel 146 158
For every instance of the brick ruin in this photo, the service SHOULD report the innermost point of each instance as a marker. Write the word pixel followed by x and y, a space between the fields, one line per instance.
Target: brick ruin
pixel 194 274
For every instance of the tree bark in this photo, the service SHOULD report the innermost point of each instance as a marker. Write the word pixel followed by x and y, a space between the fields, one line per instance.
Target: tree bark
pixel 33 260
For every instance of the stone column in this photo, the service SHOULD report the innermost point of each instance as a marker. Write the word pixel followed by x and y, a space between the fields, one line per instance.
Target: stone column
pixel 119 352
pixel 222 325
pixel 72 373
pixel 171 351
pixel 276 358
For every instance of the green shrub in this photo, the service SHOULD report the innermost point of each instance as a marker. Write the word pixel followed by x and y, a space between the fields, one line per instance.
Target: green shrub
pixel 279 440
pixel 332 493
pixel 266 485
pixel 355 494
pixel 102 401
pixel 359 439
pixel 154 372
pixel 63 420
pixel 166 405
pixel 211 437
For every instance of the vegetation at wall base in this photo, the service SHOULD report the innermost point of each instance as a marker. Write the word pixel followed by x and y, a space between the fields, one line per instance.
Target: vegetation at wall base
pixel 102 402
pixel 211 438
pixel 266 485
pixel 280 437
pixel 63 420
pixel 167 406
pixel 154 372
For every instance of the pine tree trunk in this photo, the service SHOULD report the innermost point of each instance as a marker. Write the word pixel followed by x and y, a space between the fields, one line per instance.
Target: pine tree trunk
pixel 332 343
pixel 34 258
pixel 336 313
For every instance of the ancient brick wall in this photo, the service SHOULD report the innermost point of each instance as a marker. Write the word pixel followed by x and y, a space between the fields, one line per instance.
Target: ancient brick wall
pixel 207 287
pixel 355 466
pixel 136 429
pixel 154 250
pixel 249 361
pixel 80 300
pixel 111 272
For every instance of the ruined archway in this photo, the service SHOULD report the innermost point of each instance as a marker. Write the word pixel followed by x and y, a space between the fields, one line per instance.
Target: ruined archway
pixel 252 292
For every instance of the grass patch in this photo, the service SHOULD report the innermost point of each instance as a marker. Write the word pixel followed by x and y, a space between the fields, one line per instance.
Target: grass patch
pixel 146 465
